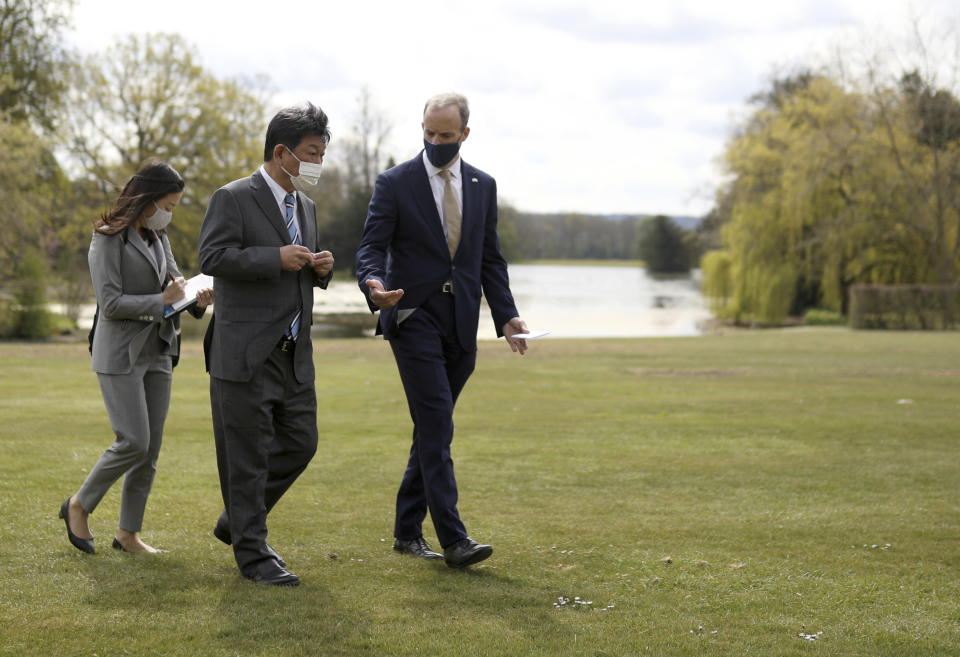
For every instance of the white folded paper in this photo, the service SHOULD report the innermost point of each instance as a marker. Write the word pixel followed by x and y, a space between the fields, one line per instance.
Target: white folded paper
pixel 532 335
pixel 193 286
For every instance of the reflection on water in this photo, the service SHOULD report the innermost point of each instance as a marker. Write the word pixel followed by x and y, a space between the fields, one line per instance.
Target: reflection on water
pixel 568 301
pixel 582 302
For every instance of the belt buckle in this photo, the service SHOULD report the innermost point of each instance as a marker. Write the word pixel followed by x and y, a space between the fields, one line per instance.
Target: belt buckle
pixel 286 344
pixel 447 288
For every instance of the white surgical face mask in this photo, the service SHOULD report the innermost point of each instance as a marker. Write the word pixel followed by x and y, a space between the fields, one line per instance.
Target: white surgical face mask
pixel 309 176
pixel 159 220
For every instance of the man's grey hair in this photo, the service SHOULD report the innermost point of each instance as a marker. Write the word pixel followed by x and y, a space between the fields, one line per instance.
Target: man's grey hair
pixel 449 99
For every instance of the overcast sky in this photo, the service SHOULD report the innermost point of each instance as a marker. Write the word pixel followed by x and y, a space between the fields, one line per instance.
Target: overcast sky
pixel 598 106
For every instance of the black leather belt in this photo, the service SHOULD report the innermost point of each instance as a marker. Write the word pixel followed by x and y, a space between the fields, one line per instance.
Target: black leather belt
pixel 286 344
pixel 447 288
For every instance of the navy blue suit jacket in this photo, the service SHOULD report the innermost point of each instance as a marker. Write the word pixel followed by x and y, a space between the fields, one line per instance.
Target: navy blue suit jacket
pixel 403 245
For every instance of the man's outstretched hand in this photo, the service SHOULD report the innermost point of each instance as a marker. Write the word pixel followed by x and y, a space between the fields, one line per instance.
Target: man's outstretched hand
pixel 382 298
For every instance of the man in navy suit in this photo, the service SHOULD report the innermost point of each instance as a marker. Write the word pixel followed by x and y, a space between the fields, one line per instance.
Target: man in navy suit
pixel 429 248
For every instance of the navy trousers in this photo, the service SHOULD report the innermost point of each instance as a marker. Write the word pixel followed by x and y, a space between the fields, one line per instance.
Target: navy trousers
pixel 433 368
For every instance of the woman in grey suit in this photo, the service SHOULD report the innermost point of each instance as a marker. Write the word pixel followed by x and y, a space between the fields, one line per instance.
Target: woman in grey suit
pixel 135 276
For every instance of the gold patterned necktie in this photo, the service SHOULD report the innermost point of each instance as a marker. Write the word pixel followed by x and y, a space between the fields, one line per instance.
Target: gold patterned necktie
pixel 451 212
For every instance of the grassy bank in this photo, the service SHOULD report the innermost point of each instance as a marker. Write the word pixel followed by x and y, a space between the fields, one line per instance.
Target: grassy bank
pixel 710 496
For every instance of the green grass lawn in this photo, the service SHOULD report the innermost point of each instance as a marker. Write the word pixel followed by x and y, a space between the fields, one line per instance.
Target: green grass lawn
pixel 710 496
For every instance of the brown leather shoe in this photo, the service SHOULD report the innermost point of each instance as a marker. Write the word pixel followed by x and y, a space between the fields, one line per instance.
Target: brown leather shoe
pixel 417 547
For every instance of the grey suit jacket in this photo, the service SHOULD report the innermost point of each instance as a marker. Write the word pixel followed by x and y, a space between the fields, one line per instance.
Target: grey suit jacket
pixel 256 299
pixel 128 278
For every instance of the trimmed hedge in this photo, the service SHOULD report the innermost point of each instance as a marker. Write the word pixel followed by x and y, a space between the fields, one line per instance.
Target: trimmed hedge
pixel 905 307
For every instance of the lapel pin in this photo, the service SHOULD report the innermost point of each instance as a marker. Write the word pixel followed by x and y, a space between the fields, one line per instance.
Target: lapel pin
pixel 474 180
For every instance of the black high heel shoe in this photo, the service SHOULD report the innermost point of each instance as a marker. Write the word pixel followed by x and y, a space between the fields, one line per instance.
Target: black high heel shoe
pixel 82 544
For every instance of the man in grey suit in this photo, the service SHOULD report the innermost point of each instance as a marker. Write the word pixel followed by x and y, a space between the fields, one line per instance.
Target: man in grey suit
pixel 259 241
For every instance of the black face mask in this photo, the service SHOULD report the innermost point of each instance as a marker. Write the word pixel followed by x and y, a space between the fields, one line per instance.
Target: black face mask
pixel 441 154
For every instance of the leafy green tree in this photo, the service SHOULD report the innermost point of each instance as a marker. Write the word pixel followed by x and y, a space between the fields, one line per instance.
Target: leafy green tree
pixel 663 246
pixel 33 59
pixel 928 168
pixel 507 231
pixel 32 321
pixel 32 188
pixel 25 202
pixel 147 97
pixel 342 230
pixel 32 81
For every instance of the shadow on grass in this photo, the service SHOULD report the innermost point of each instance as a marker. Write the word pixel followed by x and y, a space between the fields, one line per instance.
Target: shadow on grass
pixel 205 603
pixel 158 583
pixel 480 603
pixel 288 620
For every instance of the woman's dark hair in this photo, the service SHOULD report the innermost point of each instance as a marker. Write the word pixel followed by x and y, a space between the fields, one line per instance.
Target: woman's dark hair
pixel 292 124
pixel 152 182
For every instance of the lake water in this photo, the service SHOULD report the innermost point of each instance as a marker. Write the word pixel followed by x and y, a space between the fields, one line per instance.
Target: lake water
pixel 569 301
pixel 603 302
pixel 577 302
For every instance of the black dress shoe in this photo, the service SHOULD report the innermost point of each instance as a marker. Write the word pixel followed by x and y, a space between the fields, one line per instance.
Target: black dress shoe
pixel 466 552
pixel 82 544
pixel 417 547
pixel 223 535
pixel 269 571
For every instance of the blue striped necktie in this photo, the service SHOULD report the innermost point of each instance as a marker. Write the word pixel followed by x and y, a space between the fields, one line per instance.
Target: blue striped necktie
pixel 294 230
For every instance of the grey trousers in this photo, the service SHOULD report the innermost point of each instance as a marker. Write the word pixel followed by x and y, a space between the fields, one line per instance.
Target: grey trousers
pixel 137 405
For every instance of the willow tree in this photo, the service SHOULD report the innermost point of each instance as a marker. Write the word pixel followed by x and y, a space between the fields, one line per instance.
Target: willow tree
pixel 783 198
pixel 835 184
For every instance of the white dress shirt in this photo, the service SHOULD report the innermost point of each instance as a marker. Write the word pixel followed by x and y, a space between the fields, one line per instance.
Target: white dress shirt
pixel 280 194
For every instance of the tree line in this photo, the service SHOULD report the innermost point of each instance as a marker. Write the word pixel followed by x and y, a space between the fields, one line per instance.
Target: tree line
pixel 529 236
